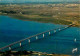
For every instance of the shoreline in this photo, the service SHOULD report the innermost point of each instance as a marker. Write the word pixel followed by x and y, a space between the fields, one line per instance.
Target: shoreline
pixel 38 20
pixel 63 14
pixel 20 17
pixel 24 53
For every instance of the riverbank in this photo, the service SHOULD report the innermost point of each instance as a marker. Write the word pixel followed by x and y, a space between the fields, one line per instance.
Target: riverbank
pixel 28 53
pixel 40 19
pixel 63 14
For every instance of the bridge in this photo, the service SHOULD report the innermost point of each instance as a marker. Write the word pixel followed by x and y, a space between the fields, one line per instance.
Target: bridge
pixel 36 37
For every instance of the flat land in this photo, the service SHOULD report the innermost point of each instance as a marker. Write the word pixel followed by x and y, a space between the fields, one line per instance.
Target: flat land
pixel 50 13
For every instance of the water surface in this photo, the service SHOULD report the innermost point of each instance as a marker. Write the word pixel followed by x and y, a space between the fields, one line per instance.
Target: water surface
pixel 12 30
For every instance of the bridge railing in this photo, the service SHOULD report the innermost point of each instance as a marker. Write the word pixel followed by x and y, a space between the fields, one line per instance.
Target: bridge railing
pixel 28 38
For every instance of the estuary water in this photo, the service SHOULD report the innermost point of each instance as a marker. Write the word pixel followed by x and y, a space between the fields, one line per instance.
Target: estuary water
pixel 62 42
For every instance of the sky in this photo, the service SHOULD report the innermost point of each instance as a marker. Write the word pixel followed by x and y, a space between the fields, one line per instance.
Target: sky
pixel 22 1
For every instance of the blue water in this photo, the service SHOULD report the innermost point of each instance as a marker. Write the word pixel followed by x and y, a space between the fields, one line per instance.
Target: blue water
pixel 12 30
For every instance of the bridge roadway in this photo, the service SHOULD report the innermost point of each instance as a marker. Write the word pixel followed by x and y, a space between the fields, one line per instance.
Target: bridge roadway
pixel 28 38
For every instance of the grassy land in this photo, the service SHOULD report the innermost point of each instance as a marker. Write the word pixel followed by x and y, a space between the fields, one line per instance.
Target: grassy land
pixel 54 13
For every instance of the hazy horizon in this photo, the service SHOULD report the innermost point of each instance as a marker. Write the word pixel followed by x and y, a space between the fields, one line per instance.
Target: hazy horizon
pixel 24 1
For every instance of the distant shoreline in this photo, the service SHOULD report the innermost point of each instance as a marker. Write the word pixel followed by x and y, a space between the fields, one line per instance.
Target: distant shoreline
pixel 20 17
pixel 63 14
pixel 43 21
pixel 71 2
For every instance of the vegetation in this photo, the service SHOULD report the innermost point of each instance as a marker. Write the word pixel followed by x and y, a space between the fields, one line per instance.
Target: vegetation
pixel 28 53
pixel 53 13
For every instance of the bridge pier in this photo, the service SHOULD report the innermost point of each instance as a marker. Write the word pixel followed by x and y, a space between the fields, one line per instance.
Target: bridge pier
pixel 75 40
pixel 43 35
pixel 20 44
pixel 29 40
pixel 49 33
pixel 36 37
pixel 59 29
pixel 54 31
pixel 9 48
pixel 66 26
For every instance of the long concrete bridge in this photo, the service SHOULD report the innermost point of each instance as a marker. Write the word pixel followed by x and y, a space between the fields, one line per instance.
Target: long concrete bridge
pixel 36 37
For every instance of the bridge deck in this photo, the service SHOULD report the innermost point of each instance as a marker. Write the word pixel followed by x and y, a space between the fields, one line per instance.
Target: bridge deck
pixel 60 28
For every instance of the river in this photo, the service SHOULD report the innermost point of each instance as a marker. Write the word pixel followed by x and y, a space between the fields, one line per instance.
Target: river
pixel 12 30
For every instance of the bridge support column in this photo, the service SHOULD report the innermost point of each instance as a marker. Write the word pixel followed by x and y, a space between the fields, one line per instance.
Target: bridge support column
pixel 66 27
pixel 49 33
pixel 9 48
pixel 59 29
pixel 54 31
pixel 43 35
pixel 29 40
pixel 20 44
pixel 36 37
pixel 75 40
